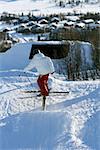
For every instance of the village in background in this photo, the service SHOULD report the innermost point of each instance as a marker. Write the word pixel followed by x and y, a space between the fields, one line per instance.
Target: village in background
pixel 77 33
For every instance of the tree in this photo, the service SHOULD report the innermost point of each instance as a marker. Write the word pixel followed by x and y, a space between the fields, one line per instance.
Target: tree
pixel 61 3
pixel 77 2
pixel 87 1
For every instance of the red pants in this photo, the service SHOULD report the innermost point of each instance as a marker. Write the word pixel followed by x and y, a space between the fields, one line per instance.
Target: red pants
pixel 43 84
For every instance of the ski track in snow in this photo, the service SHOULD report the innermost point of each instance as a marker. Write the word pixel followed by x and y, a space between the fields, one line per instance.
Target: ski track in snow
pixel 77 107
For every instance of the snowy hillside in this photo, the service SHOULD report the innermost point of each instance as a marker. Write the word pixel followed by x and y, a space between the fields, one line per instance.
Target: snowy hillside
pixel 44 7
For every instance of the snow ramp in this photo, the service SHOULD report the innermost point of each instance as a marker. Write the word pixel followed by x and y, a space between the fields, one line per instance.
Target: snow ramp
pixel 35 130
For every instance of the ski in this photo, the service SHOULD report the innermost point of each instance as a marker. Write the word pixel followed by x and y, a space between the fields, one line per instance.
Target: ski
pixel 58 93
pixel 31 91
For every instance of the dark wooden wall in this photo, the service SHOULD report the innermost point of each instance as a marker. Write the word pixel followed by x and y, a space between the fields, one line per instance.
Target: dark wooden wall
pixel 54 51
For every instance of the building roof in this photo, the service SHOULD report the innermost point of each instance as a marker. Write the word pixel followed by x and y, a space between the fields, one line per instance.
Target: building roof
pixel 81 24
pixel 72 18
pixel 88 21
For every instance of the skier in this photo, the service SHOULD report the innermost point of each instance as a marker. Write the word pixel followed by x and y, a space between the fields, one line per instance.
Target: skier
pixel 44 67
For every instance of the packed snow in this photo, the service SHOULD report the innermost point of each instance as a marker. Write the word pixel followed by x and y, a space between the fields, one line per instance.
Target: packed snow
pixel 70 121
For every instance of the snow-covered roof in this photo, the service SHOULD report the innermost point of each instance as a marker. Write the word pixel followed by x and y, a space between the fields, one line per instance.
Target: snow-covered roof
pixel 98 21
pixel 63 22
pixel 70 23
pixel 30 23
pixel 55 19
pixel 5 29
pixel 22 25
pixel 72 18
pixel 88 21
pixel 53 25
pixel 43 21
pixel 48 42
pixel 14 20
pixel 81 24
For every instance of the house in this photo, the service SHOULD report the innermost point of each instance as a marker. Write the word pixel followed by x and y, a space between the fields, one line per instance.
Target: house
pixel 30 23
pixel 41 17
pixel 6 29
pixel 53 25
pixel 55 20
pixel 5 45
pixel 14 22
pixel 43 21
pixel 97 24
pixel 62 23
pixel 35 28
pixel 72 18
pixel 22 28
pixel 69 24
pixel 80 25
pixel 89 23
pixel 23 19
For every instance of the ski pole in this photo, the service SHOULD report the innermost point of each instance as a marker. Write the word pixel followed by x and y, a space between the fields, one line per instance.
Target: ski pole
pixel 29 80
pixel 30 84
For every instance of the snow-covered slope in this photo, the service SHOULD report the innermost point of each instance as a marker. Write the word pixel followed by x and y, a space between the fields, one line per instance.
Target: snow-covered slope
pixel 71 121
pixel 43 7
pixel 16 57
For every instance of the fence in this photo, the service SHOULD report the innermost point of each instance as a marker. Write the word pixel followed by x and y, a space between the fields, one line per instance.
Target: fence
pixel 85 75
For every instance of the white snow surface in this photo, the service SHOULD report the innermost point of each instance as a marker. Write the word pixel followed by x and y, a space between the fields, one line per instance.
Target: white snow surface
pixel 16 57
pixel 44 7
pixel 70 121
